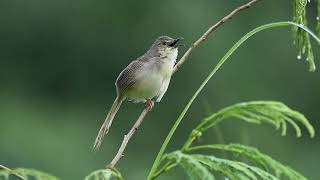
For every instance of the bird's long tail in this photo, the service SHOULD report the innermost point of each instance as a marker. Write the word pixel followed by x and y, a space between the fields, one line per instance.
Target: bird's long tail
pixel 107 123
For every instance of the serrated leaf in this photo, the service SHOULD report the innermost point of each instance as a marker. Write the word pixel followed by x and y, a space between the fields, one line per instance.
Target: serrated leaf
pixel 192 167
pixel 238 169
pixel 23 172
pixel 104 174
pixel 274 113
pixel 234 170
pixel 301 37
pixel 255 156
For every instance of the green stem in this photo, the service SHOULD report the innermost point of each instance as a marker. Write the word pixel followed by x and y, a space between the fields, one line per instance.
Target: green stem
pixel 215 69
pixel 223 147
pixel 188 143
pixel 165 168
pixel 201 147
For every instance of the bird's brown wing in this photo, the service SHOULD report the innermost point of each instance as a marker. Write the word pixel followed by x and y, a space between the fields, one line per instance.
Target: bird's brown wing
pixel 127 77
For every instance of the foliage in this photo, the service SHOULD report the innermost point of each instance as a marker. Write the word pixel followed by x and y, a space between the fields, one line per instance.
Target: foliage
pixel 262 166
pixel 301 37
pixel 231 169
pixel 274 113
pixel 256 157
pixel 23 173
pixel 104 174
pixel 279 115
pixel 193 167
pixel 8 174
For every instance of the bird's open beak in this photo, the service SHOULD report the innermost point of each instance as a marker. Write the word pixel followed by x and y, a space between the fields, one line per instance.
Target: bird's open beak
pixel 174 43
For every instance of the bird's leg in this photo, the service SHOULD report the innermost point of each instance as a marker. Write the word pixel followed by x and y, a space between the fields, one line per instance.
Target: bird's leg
pixel 150 104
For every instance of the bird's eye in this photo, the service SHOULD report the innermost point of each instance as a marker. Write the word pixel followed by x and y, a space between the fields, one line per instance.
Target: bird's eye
pixel 164 43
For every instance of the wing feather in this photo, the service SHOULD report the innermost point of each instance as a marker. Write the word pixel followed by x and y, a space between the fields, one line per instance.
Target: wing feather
pixel 127 77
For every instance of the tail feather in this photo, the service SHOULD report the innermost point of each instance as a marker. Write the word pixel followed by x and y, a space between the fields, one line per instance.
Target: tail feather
pixel 107 123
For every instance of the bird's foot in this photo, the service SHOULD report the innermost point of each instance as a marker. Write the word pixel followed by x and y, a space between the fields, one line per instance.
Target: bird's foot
pixel 150 104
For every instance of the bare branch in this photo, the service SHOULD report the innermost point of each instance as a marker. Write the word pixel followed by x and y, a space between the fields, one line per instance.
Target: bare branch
pixel 177 66
pixel 127 137
pixel 13 173
pixel 209 31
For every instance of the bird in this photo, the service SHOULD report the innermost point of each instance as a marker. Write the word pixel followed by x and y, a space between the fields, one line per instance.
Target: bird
pixel 145 79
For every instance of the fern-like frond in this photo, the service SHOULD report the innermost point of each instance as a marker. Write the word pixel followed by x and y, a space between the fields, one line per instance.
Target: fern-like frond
pixel 274 113
pixel 104 174
pixel 238 169
pixel 207 124
pixel 232 169
pixel 194 169
pixel 301 37
pixel 255 156
pixel 26 174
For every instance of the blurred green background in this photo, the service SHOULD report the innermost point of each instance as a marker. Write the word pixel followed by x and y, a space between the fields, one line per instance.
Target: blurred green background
pixel 59 61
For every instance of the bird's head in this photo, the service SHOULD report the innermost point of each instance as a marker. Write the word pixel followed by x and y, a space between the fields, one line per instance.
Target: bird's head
pixel 165 46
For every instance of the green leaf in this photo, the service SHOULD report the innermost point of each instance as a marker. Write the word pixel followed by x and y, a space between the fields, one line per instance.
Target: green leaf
pixel 301 37
pixel 192 167
pixel 274 113
pixel 255 156
pixel 199 167
pixel 104 174
pixel 234 169
pixel 26 173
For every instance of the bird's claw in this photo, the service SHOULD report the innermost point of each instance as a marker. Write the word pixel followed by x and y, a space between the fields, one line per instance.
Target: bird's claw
pixel 150 104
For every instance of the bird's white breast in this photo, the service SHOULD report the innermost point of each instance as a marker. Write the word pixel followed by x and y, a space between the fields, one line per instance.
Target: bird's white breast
pixel 169 57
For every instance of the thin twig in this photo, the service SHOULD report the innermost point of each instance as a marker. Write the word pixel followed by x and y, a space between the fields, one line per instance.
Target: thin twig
pixel 11 172
pixel 127 138
pixel 176 68
pixel 209 31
